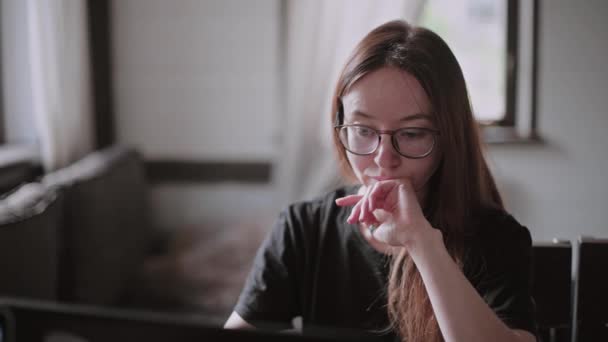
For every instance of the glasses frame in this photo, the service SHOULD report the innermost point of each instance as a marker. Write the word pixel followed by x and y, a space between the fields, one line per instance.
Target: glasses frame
pixel 391 133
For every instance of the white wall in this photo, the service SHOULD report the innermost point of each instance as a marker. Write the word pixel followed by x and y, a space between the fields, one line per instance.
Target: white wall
pixel 560 188
pixel 198 80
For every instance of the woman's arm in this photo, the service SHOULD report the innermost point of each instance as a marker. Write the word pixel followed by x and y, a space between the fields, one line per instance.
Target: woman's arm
pixel 461 313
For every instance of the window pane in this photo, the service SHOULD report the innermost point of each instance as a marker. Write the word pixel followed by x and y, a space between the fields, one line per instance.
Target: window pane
pixel 476 31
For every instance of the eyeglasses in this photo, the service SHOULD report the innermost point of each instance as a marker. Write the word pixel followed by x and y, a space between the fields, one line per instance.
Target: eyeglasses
pixel 410 142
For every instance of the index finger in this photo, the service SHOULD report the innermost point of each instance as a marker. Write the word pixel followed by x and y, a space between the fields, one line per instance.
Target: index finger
pixel 348 200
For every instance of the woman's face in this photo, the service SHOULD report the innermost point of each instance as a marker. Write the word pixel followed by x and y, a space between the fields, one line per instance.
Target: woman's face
pixel 389 99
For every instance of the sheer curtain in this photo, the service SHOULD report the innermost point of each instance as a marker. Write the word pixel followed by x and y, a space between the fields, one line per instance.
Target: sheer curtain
pixel 58 56
pixel 320 35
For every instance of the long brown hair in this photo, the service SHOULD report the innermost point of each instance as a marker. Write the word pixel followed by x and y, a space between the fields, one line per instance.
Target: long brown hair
pixel 462 183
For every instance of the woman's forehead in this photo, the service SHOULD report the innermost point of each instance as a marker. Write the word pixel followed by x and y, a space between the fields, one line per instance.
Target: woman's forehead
pixel 387 93
pixel 404 118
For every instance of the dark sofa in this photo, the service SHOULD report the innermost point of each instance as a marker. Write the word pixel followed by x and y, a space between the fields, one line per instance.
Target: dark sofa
pixel 79 234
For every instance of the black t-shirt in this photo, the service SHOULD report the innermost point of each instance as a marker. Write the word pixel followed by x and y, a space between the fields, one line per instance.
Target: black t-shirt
pixel 315 265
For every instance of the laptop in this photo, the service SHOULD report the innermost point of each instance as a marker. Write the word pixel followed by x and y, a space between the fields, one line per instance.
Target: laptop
pixel 32 320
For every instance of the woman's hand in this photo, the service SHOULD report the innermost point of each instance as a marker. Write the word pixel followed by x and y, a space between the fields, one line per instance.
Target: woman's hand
pixel 392 207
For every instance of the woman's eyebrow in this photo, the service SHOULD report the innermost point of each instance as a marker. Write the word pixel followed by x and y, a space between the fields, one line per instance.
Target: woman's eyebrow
pixel 411 117
pixel 417 116
pixel 358 113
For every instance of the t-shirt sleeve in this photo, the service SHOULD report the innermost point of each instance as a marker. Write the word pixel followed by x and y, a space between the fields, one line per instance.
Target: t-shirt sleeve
pixel 504 278
pixel 269 297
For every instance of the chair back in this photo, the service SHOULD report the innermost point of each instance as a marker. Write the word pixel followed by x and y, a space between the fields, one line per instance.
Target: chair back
pixel 592 290
pixel 552 289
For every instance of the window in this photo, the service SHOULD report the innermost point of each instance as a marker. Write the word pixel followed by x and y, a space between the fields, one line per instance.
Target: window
pixel 493 41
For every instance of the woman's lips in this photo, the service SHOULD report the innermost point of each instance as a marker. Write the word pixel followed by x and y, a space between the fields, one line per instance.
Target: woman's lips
pixel 383 178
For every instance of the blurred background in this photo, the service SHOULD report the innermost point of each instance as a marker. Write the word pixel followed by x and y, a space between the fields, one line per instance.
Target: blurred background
pixel 198 120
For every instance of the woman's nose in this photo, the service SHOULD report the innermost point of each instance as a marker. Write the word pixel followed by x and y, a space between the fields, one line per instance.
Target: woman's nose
pixel 386 156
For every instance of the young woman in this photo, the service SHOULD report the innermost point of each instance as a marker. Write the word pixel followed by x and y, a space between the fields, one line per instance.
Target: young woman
pixel 421 248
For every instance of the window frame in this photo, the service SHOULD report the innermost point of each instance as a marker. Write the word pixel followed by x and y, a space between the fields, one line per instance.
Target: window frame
pixel 520 122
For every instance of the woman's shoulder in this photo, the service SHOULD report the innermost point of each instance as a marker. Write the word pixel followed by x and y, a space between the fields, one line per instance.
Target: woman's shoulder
pixel 308 224
pixel 496 226
pixel 315 214
pixel 498 245
pixel 320 206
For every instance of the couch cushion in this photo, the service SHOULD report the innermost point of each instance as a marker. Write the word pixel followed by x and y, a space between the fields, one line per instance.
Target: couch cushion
pixel 29 220
pixel 18 165
pixel 106 229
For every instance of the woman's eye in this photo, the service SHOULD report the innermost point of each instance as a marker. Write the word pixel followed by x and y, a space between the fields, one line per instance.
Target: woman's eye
pixel 364 131
pixel 411 134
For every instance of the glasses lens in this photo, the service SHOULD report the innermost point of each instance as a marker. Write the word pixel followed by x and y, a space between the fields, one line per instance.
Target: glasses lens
pixel 359 139
pixel 414 142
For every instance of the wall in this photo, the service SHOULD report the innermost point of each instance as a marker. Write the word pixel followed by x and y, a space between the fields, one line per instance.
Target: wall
pixel 198 80
pixel 559 188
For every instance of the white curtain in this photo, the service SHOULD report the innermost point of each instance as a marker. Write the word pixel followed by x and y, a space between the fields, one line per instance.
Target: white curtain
pixel 320 35
pixel 57 49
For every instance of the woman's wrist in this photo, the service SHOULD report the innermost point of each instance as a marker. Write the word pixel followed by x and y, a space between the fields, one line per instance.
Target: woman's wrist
pixel 425 241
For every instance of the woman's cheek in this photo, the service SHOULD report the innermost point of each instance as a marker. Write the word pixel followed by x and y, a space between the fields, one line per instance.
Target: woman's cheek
pixel 358 165
pixel 421 178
